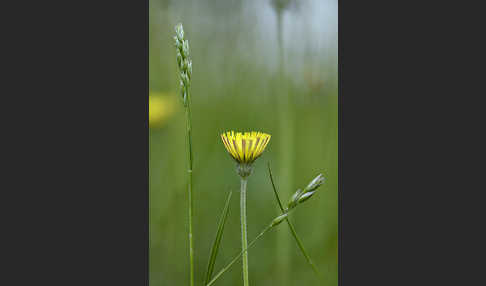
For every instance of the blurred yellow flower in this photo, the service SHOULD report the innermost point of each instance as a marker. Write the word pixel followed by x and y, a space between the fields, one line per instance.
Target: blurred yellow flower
pixel 245 147
pixel 161 107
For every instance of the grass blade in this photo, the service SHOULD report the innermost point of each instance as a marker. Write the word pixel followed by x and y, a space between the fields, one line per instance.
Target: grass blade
pixel 228 266
pixel 292 229
pixel 217 240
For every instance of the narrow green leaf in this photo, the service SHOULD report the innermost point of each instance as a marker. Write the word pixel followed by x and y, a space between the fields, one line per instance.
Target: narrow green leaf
pixel 228 266
pixel 275 189
pixel 292 229
pixel 217 240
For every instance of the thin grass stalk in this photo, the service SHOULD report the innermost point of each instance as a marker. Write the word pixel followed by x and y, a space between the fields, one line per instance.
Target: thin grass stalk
pixel 244 242
pixel 189 187
pixel 185 68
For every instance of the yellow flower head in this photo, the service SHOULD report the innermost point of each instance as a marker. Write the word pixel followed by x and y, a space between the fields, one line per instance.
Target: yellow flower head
pixel 161 107
pixel 245 147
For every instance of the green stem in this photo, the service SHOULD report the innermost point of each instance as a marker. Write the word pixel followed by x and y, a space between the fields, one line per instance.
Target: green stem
pixel 280 43
pixel 244 242
pixel 301 246
pixel 286 132
pixel 189 188
pixel 245 250
pixel 292 229
pixel 238 256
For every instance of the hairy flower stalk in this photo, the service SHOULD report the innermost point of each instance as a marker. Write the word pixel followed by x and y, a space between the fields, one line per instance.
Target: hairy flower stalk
pixel 185 71
pixel 244 148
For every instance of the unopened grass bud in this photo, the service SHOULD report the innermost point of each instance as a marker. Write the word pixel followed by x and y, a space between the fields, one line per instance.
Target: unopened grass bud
pixel 305 197
pixel 184 97
pixel 189 67
pixel 279 219
pixel 185 47
pixel 319 180
pixel 179 60
pixel 294 199
pixel 185 79
pixel 179 31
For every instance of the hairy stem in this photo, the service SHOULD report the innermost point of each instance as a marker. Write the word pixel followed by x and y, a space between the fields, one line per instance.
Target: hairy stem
pixel 244 242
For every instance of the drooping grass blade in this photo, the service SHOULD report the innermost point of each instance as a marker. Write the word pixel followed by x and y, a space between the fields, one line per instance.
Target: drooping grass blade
pixel 217 240
pixel 292 229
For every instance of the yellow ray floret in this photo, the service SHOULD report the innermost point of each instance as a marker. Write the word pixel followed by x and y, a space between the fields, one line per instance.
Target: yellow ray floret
pixel 245 147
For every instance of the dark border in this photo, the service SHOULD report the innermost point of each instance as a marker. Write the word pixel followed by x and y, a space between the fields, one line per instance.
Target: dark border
pixel 78 179
pixel 340 140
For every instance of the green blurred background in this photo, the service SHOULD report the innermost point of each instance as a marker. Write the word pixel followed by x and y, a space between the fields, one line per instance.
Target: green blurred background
pixel 243 80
